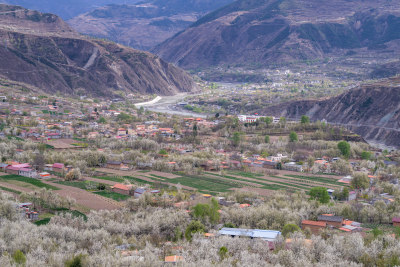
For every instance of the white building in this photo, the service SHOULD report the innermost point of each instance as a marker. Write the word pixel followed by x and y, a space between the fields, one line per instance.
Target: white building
pixel 248 118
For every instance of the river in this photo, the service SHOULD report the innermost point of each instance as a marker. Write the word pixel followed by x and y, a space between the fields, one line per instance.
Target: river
pixel 167 104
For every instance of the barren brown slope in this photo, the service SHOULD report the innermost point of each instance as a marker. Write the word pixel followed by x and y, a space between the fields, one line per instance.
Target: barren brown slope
pixel 41 50
pixel 275 31
pixel 373 111
pixel 145 24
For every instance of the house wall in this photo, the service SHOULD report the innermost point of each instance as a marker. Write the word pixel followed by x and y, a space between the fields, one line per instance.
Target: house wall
pixel 267 166
pixel 59 170
pixel 137 195
pixel 16 172
pixel 352 197
pixel 27 174
pixel 121 191
pixel 112 166
pixel 334 224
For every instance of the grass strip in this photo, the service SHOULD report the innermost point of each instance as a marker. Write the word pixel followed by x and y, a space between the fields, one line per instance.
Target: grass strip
pixel 112 195
pixel 28 180
pixel 317 179
pixel 10 190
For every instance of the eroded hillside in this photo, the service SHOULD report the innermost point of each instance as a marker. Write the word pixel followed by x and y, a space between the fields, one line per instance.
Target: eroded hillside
pixel 372 111
pixel 145 24
pixel 270 31
pixel 42 50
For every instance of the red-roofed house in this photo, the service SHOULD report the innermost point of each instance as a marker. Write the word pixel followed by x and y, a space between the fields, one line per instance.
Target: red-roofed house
pixel 121 131
pixel 396 221
pixel 22 165
pixel 173 259
pixel 314 226
pixel 122 189
pixel 12 170
pixel 58 167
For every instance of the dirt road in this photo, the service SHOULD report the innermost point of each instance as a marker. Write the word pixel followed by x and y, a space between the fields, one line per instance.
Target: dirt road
pixel 85 198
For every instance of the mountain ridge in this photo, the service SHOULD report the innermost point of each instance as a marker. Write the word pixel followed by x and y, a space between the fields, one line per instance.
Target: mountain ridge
pixel 371 110
pixel 42 50
pixel 66 9
pixel 261 31
pixel 145 24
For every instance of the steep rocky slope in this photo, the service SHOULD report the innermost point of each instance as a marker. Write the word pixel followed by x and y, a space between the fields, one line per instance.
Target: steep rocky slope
pixel 265 31
pixel 373 111
pixel 145 24
pixel 386 70
pixel 42 50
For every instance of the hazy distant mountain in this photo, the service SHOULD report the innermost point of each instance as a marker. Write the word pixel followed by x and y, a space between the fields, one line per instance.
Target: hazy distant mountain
pixel 373 111
pixel 42 50
pixel 65 8
pixel 145 24
pixel 264 31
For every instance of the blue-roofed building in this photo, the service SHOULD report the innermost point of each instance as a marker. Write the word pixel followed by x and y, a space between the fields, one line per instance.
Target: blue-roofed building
pixel 139 192
pixel 267 235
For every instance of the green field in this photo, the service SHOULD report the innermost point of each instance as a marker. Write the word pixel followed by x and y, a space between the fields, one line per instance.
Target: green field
pixel 326 180
pixel 79 184
pixel 42 221
pixel 10 190
pixel 137 180
pixel 245 174
pixel 74 213
pixel 213 183
pixel 272 185
pixel 122 179
pixel 112 195
pixel 109 178
pixel 27 180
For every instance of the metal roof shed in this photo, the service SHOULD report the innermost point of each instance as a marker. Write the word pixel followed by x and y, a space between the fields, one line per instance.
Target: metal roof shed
pixel 267 235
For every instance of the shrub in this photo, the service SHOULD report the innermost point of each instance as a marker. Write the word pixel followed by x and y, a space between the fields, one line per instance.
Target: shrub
pixel 76 261
pixel 74 174
pixel 293 137
pixel 289 228
pixel 365 155
pixel 207 211
pixel 360 181
pixel 305 119
pixel 223 253
pixel 101 186
pixel 344 148
pixel 194 227
pixel 19 257
pixel 320 194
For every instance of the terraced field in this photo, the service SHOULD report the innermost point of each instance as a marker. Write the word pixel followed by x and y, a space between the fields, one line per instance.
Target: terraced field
pixel 213 182
pixel 25 182
pixel 112 195
pixel 76 189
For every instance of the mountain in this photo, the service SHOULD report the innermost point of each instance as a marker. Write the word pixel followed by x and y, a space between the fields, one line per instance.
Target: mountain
pixel 373 111
pixel 145 24
pixel 265 31
pixel 66 9
pixel 386 70
pixel 43 51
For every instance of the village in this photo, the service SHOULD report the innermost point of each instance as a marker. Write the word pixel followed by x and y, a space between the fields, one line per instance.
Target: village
pixel 74 156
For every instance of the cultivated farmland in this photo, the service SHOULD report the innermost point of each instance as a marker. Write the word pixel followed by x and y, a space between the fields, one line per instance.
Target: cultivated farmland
pixel 216 182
